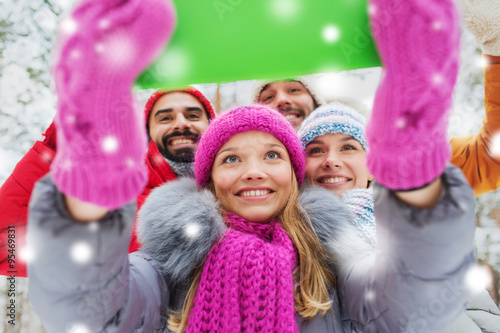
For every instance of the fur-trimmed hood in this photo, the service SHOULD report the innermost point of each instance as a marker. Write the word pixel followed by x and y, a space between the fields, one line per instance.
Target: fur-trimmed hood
pixel 179 223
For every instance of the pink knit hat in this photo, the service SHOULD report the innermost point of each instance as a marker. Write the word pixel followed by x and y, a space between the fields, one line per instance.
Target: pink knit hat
pixel 240 120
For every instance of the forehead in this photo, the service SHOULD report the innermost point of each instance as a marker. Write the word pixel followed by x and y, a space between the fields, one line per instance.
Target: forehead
pixel 252 139
pixel 279 85
pixel 177 100
pixel 332 138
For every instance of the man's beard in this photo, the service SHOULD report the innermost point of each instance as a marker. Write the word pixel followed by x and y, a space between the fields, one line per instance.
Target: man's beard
pixel 183 155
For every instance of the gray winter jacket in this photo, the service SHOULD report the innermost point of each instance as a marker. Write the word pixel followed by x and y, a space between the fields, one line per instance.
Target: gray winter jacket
pixel 414 283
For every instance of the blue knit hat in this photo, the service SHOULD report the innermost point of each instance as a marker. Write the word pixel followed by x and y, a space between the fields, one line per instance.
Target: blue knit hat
pixel 335 117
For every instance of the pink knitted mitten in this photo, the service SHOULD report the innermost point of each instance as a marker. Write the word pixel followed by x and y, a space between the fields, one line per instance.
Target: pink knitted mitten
pixel 418 42
pixel 101 141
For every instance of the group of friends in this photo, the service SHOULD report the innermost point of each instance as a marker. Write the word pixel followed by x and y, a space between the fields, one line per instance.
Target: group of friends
pixel 288 215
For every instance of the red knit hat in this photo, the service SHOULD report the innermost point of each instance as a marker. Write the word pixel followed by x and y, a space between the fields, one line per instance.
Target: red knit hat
pixel 190 90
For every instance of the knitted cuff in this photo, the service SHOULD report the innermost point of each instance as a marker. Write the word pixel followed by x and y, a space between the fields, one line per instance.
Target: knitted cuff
pixel 491 60
pixel 101 139
pixel 418 41
pixel 482 18
pixel 50 136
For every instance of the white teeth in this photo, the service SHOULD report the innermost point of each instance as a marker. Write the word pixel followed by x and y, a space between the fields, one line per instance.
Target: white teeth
pixel 291 116
pixel 334 180
pixel 257 193
pixel 181 141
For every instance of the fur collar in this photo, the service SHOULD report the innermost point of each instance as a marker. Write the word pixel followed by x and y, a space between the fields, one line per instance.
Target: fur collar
pixel 178 224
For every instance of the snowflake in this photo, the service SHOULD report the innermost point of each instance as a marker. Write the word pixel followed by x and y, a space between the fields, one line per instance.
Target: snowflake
pixel 78 328
pixel 437 79
pixel 68 26
pixel 372 9
pixel 27 254
pixel 401 123
pixel 437 26
pixel 370 295
pixel 110 144
pixel 285 9
pixel 477 278
pixel 331 34
pixel 192 230
pixel 81 252
pixel 99 48
pixel 93 226
pixel 104 24
pixel 495 145
pixel 119 51
pixel 75 54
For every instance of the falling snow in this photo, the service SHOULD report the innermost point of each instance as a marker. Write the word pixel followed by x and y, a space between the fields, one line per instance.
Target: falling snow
pixel 99 48
pixel 285 9
pixel 477 278
pixel 437 26
pixel 94 226
pixel 81 252
pixel 370 295
pixel 372 9
pixel 331 34
pixel 27 254
pixel 78 328
pixel 495 145
pixel 75 54
pixel 104 24
pixel 192 230
pixel 28 104
pixel 401 123
pixel 69 26
pixel 437 79
pixel 110 144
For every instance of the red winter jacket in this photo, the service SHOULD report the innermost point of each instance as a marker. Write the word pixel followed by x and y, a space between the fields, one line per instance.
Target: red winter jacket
pixel 15 195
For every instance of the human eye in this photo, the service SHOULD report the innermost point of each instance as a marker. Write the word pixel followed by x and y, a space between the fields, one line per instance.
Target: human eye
pixel 231 159
pixel 194 116
pixel 314 151
pixel 165 118
pixel 266 99
pixel 348 147
pixel 272 155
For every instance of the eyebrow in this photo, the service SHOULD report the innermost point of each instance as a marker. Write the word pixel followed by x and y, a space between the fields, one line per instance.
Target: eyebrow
pixel 344 139
pixel 347 138
pixel 169 110
pixel 225 150
pixel 271 145
pixel 231 149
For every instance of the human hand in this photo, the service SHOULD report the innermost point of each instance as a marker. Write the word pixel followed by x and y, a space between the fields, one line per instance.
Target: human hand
pixel 482 18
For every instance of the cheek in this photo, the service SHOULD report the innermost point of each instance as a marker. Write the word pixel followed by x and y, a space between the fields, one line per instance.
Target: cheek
pixel 223 181
pixel 284 180
pixel 312 165
pixel 200 127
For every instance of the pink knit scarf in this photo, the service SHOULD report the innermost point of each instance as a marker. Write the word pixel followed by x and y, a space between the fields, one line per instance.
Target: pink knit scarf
pixel 246 283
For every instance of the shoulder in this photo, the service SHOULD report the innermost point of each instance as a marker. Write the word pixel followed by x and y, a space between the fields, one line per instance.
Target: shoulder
pixel 334 223
pixel 177 226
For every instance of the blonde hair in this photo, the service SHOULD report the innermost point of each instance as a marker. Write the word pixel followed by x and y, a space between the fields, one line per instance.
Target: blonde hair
pixel 312 277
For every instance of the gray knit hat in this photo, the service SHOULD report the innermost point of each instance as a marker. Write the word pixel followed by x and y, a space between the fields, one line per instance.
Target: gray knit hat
pixel 335 117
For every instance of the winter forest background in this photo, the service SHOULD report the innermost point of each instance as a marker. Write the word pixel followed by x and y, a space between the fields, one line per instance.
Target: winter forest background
pixel 27 107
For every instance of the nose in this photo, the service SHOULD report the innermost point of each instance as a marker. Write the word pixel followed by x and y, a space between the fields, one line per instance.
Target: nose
pixel 181 123
pixel 282 100
pixel 254 171
pixel 332 161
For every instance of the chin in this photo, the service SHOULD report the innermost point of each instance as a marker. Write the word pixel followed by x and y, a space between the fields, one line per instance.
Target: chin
pixel 259 218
